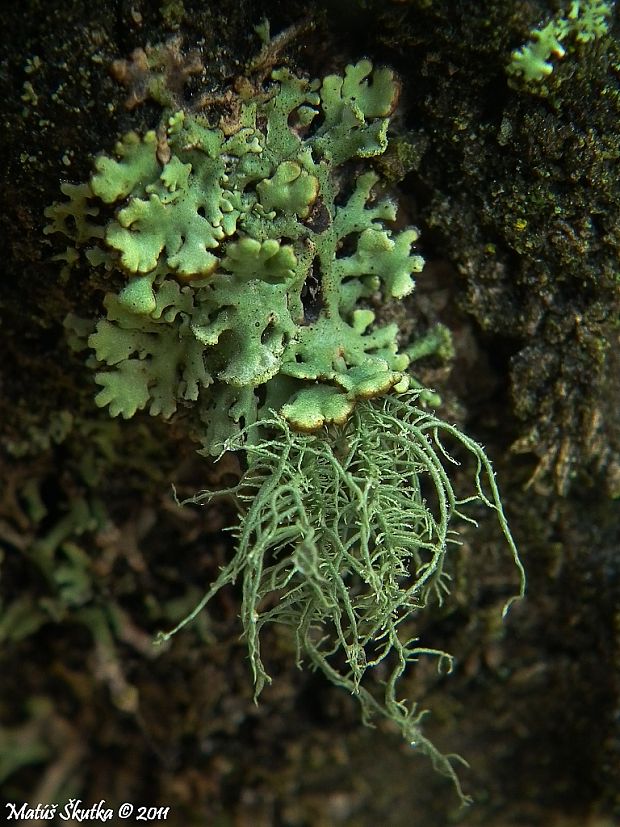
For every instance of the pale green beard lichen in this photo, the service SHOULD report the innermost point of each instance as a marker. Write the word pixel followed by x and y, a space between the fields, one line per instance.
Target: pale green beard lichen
pixel 344 537
pixel 253 259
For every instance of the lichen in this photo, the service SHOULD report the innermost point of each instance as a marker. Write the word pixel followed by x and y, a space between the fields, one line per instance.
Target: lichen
pixel 344 537
pixel 253 259
pixel 584 21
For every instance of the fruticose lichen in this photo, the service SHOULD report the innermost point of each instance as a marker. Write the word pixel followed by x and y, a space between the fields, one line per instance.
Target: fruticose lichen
pixel 344 537
pixel 253 254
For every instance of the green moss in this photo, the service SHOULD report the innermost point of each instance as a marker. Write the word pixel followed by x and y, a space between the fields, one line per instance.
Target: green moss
pixel 519 191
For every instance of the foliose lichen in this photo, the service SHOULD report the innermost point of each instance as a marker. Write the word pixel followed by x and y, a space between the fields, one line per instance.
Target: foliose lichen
pixel 585 20
pixel 252 259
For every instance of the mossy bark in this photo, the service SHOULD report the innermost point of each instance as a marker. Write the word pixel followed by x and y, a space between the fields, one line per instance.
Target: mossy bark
pixel 96 556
